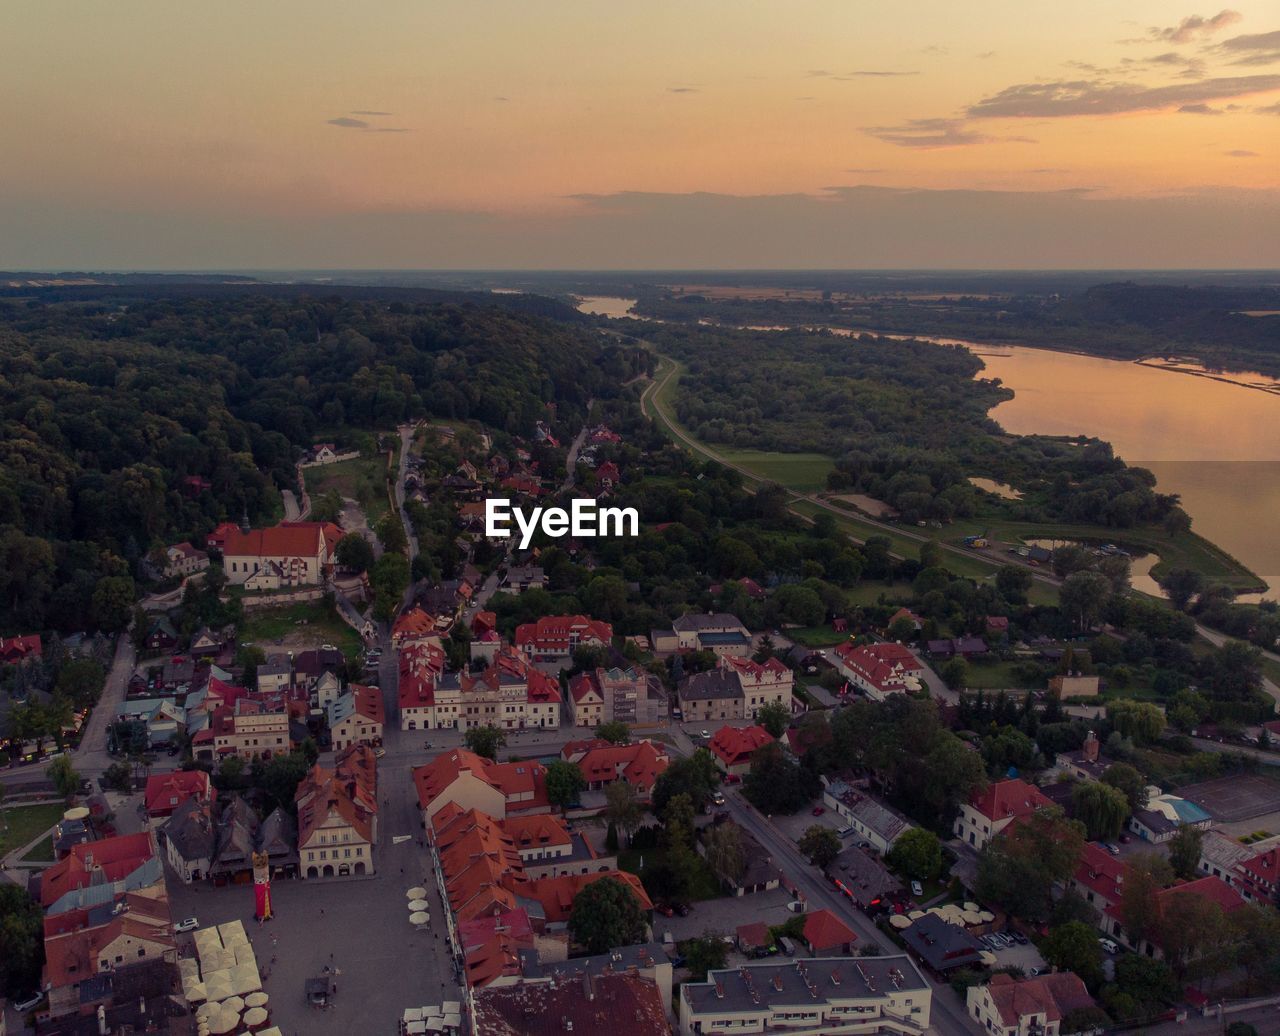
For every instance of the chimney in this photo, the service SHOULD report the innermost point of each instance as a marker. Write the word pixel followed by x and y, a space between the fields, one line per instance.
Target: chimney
pixel 1091 747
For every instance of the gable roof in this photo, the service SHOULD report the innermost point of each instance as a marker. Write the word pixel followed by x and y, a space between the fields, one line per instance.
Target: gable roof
pixel 735 745
pixel 280 541
pixel 166 791
pixel 587 1004
pixel 555 631
pixel 824 931
pixel 713 685
pixel 104 861
pixel 1011 798
pixel 1055 996
pixel 639 764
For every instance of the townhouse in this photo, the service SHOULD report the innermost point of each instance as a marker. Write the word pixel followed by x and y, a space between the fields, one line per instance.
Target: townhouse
pixel 639 765
pixel 763 683
pixel 879 670
pixel 356 717
pixel 871 819
pixel 338 817
pixel 474 782
pixel 630 696
pixel 993 809
pixel 1008 1006
pixel 554 638
pixel 733 747
pixel 165 792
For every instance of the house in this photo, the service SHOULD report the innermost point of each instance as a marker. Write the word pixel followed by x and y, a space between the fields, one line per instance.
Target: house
pixel 278 838
pixel 715 694
pixel 421 665
pixel 275 674
pixel 510 693
pixel 165 792
pixel 647 960
pixel 1008 1006
pixel 161 637
pixel 108 865
pixel 206 642
pixel 255 727
pixel 356 717
pixel 323 453
pixel 182 559
pixel 993 809
pixel 810 997
pixel 957 647
pixel 289 554
pixel 1252 870
pixel 904 614
pixel 942 946
pixel 630 696
pixel 554 638
pixel 865 880
pixel 190 839
pixel 570 1004
pixel 825 935
pixel 337 818
pixel 1074 686
pixel 759 874
pixel 872 821
pixel 1209 889
pixel 879 670
pixel 1099 878
pixel 718 632
pixel 733 747
pixel 998 625
pixel 639 765
pixel 237 841
pixel 20 649
pixel 553 898
pixel 415 626
pixel 1164 814
pixel 607 475
pixel 194 485
pixel 1088 764
pixel 763 683
pixel 474 782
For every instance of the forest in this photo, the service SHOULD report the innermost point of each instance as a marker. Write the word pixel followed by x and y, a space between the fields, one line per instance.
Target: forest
pixel 1120 320
pixel 111 398
pixel 906 422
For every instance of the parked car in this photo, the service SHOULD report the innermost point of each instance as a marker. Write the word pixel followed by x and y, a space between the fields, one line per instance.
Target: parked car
pixel 1019 938
pixel 718 799
pixel 917 889
pixel 189 924
pixel 705 735
pixel 818 811
pixel 1109 946
pixel 30 1003
pixel 665 910
pixel 732 778
pixel 1112 848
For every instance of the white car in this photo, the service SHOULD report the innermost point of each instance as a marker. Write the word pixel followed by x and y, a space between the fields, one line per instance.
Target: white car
pixel 917 889
pixel 718 799
pixel 705 735
pixel 29 1004
pixel 1109 945
pixel 189 925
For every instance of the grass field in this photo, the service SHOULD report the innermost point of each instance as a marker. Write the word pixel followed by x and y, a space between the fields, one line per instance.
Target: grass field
pixel 993 676
pixel 265 626
pixel 802 472
pixel 23 823
pixel 364 479
pixel 42 852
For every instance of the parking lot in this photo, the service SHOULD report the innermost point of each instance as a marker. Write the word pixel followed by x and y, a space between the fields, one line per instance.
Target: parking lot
pixel 723 916
pixel 1025 957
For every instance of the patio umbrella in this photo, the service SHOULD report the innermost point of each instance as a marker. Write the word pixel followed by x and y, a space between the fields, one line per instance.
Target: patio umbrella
pixel 232 1003
pixel 973 908
pixel 915 915
pixel 417 892
pixel 206 1011
pixel 418 904
pixel 987 957
pixel 419 918
pixel 273 1031
pixel 899 922
pixel 258 999
pixel 255 1017
pixel 971 917
pixel 986 917
pixel 223 1022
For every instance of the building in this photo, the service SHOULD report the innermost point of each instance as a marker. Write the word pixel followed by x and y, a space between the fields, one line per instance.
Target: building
pixel 190 839
pixel 520 578
pixel 511 693
pixel 20 649
pixel 474 782
pixel 1252 870
pixel 763 683
pixel 942 946
pixel 161 637
pixel 990 811
pixel 718 632
pixel 337 817
pixel 1209 889
pixel 602 763
pixel 1007 1006
pixel 590 1003
pixel 879 670
pixel 630 696
pixel 356 717
pixel 99 869
pixel 416 626
pixel 421 665
pixel 255 727
pixel 165 792
pixel 182 559
pixel 810 997
pixel 275 674
pixel 865 880
pixel 1164 814
pixel 1099 878
pixel 554 638
pixel 733 747
pixel 648 960
pixel 759 873
pixel 870 819
pixel 1088 764
pixel 289 554
pixel 825 935
pixel 715 694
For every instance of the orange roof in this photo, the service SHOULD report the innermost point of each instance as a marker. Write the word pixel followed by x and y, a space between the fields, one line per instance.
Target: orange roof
pixel 1055 996
pixel 491 945
pixel 824 931
pixel 415 623
pixel 1011 798
pixel 73 957
pixel 167 791
pixel 525 779
pixel 537 830
pixel 368 702
pixel 638 764
pixel 302 540
pixel 557 894
pixel 444 769
pixel 555 632
pixel 109 859
pixel 348 791
pixel 734 745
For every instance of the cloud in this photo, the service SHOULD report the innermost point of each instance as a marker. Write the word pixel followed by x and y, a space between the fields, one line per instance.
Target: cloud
pixel 1100 97
pixel 1241 153
pixel 1191 28
pixel 877 72
pixel 859 73
pixel 936 133
pixel 347 123
pixel 1262 48
pixel 366 112
pixel 683 90
pixel 1270 109
pixel 987 54
pixel 1199 109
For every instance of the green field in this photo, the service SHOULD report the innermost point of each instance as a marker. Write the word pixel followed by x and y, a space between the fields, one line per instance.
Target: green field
pixel 803 472
pixel 363 479
pixel 21 824
pixel 319 621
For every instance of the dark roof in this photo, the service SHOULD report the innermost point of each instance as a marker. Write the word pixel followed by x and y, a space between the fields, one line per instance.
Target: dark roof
pixel 941 945
pixel 191 829
pixel 865 877
pixel 590 1004
pixel 697 621
pixel 715 683
pixel 758 988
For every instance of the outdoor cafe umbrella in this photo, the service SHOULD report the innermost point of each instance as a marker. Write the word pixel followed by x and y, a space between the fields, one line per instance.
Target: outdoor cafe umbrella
pixel 419 917
pixel 258 999
pixel 232 1003
pixel 972 908
pixel 224 1022
pixel 900 922
pixel 417 892
pixel 255 1017
pixel 206 1011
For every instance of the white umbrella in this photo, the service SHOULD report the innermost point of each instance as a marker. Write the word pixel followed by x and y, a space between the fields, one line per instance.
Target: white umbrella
pixel 972 917
pixel 418 904
pixel 206 1011
pixel 419 918
pixel 417 892
pixel 223 1022
pixel 973 908
pixel 255 1016
pixel 986 917
pixel 258 999
pixel 900 922
pixel 232 1003
pixel 915 915
pixel 987 957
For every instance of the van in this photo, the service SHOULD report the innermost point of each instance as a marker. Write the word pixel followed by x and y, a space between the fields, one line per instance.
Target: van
pixel 845 832
pixel 796 906
pixel 668 939
pixel 788 947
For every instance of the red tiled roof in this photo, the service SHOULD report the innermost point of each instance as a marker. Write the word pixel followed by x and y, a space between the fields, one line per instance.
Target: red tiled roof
pixel 109 859
pixel 583 685
pixel 1055 996
pixel 881 665
pixel 72 957
pixel 1101 872
pixel 639 764
pixel 1011 798
pixel 734 745
pixel 368 702
pixel 280 541
pixel 167 791
pixel 754 934
pixel 557 894
pixel 14 649
pixel 824 931
pixel 604 1003
pixel 491 945
pixel 553 632
pixel 510 779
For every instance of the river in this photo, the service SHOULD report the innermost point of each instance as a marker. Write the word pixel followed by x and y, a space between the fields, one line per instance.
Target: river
pixel 1215 443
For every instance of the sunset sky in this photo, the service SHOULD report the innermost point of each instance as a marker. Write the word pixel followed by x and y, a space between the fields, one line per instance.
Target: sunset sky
pixel 741 133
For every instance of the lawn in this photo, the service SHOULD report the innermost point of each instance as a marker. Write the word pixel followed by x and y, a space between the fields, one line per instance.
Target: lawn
pixel 993 676
pixel 267 625
pixel 363 479
pixel 23 823
pixel 803 472
pixel 815 636
pixel 43 851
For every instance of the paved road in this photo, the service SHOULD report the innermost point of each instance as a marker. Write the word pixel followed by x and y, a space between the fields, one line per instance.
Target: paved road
pixel 292 512
pixel 92 755
pixel 571 460
pixel 406 438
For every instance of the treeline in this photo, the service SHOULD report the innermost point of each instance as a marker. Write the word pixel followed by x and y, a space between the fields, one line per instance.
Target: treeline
pixel 906 421
pixel 107 409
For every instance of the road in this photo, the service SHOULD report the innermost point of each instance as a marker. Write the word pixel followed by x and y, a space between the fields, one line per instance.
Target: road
pixel 406 439
pixel 1218 639
pixel 292 512
pixel 571 461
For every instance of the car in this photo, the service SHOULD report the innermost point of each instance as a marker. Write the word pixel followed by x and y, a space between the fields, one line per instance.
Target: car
pixel 1114 850
pixel 864 845
pixel 378 753
pixel 1109 946
pixel 30 1003
pixel 665 910
pixel 818 811
pixel 189 924
pixel 718 798
pixel 683 909
pixel 1033 972
pixel 917 889
pixel 991 942
pixel 732 778
pixel 705 735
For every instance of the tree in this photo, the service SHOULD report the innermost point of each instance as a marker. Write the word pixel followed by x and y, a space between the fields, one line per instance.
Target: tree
pixel 389 579
pixel 21 941
pixel 281 776
pixel 1130 782
pixel 80 681
pixel 1184 851
pixel 1018 869
pixel 615 732
pixel 821 845
pixel 119 777
pixel 774 717
pixel 231 771
pixel 917 853
pixel 1074 947
pixel 1241 1029
pixel 1148 981
pixel 1084 1019
pixel 722 848
pixel 112 604
pixel 1190 927
pixel 1014 583
pixel 702 954
pixel 1180 585
pixel 605 914
pixel 621 807
pixel 564 783
pixel 248 658
pixel 1101 808
pixel 695 776
pixel 1145 876
pixel 355 552
pixel 1139 720
pixel 955 673
pixel 65 779
pixel 1082 597
pixel 484 741
pixel 776 783
pixel 391 534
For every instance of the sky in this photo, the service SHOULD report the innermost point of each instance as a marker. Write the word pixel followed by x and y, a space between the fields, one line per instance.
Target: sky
pixel 144 134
